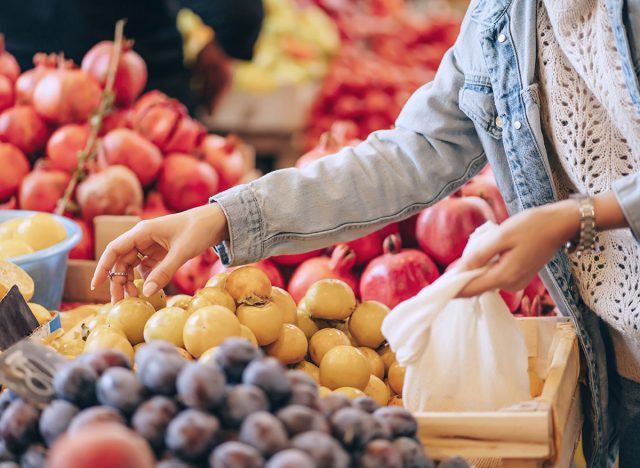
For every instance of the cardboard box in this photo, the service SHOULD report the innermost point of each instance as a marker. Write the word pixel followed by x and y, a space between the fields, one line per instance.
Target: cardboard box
pixel 77 286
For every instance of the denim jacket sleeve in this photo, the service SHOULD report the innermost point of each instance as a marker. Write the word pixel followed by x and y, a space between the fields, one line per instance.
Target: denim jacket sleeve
pixel 627 191
pixel 433 149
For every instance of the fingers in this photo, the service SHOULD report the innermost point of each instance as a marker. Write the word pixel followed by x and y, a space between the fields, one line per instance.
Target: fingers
pixel 121 285
pixel 136 239
pixel 161 274
pixel 492 279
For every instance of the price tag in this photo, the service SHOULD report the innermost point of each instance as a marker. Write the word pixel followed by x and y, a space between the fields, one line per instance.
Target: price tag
pixel 28 368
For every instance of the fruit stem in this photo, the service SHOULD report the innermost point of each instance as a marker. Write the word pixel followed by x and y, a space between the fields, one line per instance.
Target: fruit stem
pixel 95 121
pixel 392 244
pixel 1 43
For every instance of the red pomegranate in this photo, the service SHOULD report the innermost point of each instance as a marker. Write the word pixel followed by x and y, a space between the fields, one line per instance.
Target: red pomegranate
pixel 8 64
pixel 186 182
pixel 154 206
pixel 42 188
pixel 195 273
pixel 125 147
pixel 64 145
pixel 408 231
pixel 7 96
pixel 15 167
pixel 131 75
pixel 270 269
pixel 43 64
pixel 225 156
pixel 24 128
pixel 397 275
pixel 485 188
pixel 294 259
pixel 85 250
pixel 345 132
pixel 10 204
pixel 535 288
pixel 66 96
pixel 444 229
pixel 186 137
pixel 338 266
pixel 166 123
pixel 327 145
pixel 367 248
pixel 118 118
pixel 112 191
pixel 512 299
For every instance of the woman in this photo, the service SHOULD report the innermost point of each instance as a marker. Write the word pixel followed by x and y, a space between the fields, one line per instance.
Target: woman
pixel 546 92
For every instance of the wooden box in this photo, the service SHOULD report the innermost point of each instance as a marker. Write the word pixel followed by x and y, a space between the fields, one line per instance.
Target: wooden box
pixel 541 432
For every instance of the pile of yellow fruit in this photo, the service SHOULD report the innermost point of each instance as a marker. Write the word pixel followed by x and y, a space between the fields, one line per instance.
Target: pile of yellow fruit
pixel 12 275
pixel 21 236
pixel 328 335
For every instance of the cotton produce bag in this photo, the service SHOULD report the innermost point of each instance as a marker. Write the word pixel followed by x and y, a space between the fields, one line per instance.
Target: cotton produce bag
pixel 460 354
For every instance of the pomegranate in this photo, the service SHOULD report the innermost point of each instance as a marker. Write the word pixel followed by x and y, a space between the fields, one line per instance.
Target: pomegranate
pixel 24 128
pixel 512 299
pixel 397 275
pixel 85 250
pixel 367 248
pixel 127 148
pixel 42 188
pixel 154 206
pixel 444 229
pixel 27 82
pixel 15 167
pixel 166 123
pixel 535 288
pixel 8 64
pixel 408 231
pixel 294 259
pixel 195 273
pixel 186 182
pixel 7 96
pixel 186 137
pixel 338 266
pixel 10 204
pixel 345 132
pixel 118 118
pixel 225 156
pixel 131 75
pixel 112 191
pixel 265 265
pixel 485 188
pixel 65 96
pixel 64 145
pixel 327 145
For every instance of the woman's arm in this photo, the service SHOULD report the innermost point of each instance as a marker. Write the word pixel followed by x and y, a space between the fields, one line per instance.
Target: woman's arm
pixel 432 151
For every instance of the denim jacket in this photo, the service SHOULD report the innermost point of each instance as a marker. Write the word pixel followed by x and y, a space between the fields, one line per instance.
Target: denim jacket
pixel 482 107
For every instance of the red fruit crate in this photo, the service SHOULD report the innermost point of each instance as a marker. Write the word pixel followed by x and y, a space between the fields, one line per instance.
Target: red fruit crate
pixel 541 432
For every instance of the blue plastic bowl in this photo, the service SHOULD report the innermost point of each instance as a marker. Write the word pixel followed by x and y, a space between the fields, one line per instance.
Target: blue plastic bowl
pixel 47 267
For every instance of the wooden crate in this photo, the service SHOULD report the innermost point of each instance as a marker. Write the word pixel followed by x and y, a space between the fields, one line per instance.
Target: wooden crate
pixel 541 432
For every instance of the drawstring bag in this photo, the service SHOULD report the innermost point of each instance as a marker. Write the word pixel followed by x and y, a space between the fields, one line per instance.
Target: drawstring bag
pixel 460 354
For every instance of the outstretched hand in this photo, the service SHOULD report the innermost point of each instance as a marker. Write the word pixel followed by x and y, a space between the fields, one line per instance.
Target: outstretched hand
pixel 158 248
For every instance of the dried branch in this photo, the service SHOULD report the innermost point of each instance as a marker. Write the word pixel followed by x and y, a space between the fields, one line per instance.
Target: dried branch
pixel 88 153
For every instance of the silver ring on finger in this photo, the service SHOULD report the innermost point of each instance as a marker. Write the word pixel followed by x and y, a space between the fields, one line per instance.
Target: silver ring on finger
pixel 112 274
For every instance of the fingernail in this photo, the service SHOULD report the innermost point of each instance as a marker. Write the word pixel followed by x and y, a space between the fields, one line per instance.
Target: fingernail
pixel 149 289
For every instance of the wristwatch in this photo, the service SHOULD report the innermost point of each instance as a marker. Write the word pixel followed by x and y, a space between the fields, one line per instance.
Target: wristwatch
pixel 585 241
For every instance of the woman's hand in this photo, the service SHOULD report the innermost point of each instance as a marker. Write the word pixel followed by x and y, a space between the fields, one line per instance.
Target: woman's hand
pixel 522 245
pixel 159 247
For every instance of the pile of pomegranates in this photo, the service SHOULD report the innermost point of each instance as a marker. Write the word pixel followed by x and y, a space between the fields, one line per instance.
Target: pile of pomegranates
pixel 152 157
pixel 388 51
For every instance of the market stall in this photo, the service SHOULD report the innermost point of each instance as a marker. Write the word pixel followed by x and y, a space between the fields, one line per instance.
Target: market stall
pixel 282 363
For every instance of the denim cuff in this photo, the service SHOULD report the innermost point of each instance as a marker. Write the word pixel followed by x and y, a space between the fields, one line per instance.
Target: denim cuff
pixel 627 191
pixel 244 220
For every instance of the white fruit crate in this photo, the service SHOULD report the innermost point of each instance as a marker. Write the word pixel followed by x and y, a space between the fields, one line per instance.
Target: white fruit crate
pixel 541 432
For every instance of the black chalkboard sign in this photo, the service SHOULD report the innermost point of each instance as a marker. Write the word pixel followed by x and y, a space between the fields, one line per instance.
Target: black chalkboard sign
pixel 16 319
